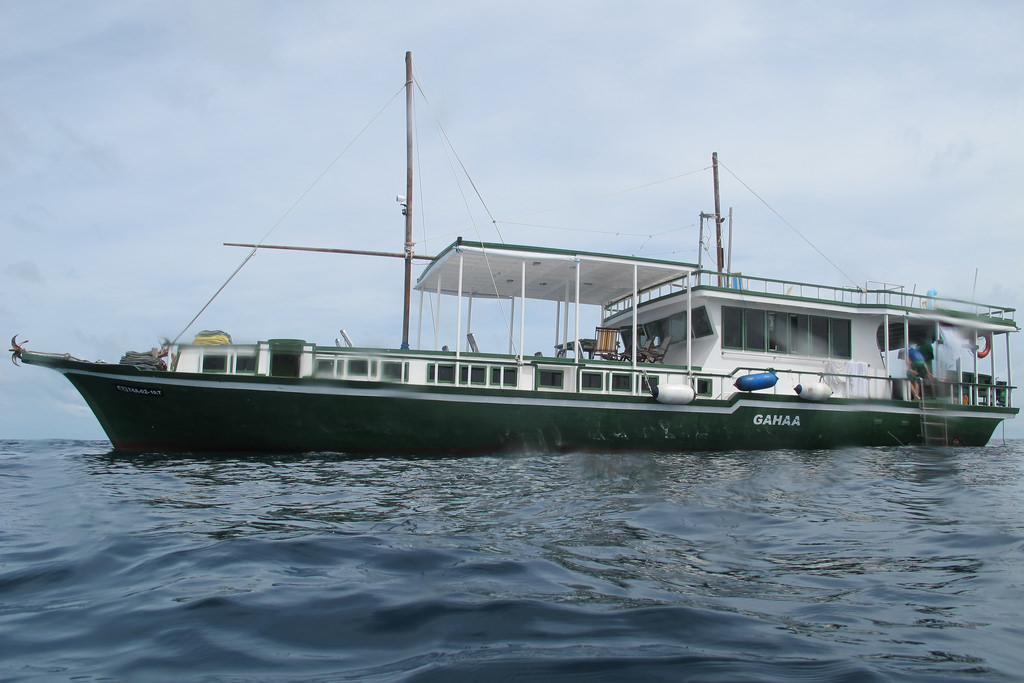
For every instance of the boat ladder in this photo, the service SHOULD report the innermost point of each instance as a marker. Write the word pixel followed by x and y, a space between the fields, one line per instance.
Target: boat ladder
pixel 933 425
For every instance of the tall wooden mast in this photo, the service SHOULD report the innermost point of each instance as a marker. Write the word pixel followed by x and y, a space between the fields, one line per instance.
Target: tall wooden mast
pixel 408 200
pixel 720 252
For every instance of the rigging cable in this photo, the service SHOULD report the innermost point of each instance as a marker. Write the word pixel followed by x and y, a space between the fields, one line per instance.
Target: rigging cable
pixel 607 195
pixel 513 220
pixel 450 152
pixel 287 213
pixel 447 145
pixel 472 184
pixel 791 227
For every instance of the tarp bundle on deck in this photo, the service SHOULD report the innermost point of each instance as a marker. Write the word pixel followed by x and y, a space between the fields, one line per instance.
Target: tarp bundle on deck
pixel 212 338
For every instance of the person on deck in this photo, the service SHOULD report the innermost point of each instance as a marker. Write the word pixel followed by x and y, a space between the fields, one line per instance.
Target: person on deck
pixel 917 370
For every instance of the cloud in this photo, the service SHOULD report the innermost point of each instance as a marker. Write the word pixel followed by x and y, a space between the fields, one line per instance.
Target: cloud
pixel 27 271
pixel 136 138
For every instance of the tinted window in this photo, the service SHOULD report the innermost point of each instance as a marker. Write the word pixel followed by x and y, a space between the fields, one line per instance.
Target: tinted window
pixel 841 346
pixel 732 327
pixel 778 332
pixel 819 336
pixel 701 322
pixel 284 364
pixel 755 330
pixel 551 378
pixel 245 364
pixel 799 334
pixel 215 363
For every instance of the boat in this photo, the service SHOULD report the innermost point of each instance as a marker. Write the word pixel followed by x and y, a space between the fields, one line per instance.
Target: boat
pixel 685 358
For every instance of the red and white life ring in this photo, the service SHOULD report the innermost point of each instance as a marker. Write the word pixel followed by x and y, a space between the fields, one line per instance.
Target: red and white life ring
pixel 982 352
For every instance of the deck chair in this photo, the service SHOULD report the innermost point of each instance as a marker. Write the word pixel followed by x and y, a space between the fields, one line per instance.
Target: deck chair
pixel 606 343
pixel 641 353
pixel 656 354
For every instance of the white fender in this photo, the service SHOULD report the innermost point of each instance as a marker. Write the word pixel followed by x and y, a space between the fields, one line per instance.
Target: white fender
pixel 676 394
pixel 819 391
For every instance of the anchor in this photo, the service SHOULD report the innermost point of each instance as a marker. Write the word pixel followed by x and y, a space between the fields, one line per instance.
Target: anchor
pixel 16 349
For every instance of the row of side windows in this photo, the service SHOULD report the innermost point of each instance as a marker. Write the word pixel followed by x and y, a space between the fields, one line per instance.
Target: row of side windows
pixel 282 364
pixel 219 363
pixel 287 365
pixel 444 373
pixel 754 329
pixel 357 368
pixel 673 326
pixel 595 381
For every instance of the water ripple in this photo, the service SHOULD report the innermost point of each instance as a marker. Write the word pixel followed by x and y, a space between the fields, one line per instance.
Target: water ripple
pixel 865 564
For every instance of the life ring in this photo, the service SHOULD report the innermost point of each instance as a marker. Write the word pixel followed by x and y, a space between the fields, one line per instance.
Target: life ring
pixel 981 353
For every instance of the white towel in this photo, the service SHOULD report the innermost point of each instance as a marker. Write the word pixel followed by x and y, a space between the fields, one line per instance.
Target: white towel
pixel 859 383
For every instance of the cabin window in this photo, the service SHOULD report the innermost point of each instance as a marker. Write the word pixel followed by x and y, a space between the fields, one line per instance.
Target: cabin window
pixel 653 331
pixel 674 326
pixel 551 379
pixel 703 386
pixel 360 367
pixel 441 373
pixel 284 364
pixel 732 327
pixel 475 374
pixel 701 322
pixel 325 368
pixel 841 338
pixel 819 336
pixel 650 382
pixel 622 382
pixel 754 323
pixel 503 377
pixel 391 371
pixel 245 364
pixel 592 380
pixel 799 334
pixel 216 363
pixel 778 332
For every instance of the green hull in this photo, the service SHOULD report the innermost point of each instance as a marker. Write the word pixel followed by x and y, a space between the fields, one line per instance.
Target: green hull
pixel 177 412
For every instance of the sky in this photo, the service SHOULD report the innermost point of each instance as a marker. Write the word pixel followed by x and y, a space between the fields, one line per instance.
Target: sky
pixel 859 141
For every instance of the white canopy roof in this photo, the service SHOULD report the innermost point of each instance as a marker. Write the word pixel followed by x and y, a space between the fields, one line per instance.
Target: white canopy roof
pixel 496 271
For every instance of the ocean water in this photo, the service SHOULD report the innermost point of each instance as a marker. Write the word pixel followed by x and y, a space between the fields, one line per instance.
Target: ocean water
pixel 880 564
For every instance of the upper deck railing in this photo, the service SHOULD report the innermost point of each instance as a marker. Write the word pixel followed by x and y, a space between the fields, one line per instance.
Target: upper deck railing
pixel 874 294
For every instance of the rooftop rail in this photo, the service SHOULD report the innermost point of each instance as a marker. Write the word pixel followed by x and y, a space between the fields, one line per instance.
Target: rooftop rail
pixel 873 294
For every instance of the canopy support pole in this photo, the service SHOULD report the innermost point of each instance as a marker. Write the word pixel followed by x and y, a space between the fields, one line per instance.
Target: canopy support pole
pixel 577 353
